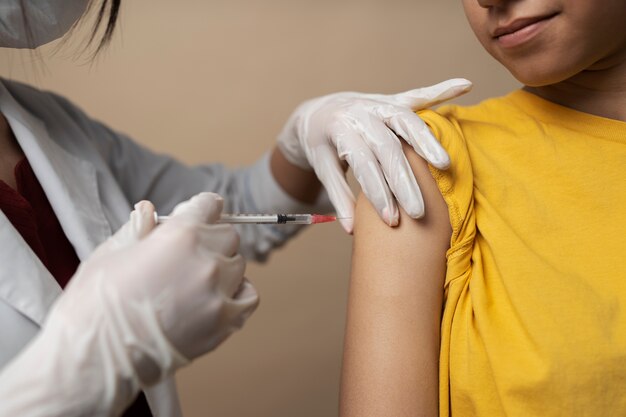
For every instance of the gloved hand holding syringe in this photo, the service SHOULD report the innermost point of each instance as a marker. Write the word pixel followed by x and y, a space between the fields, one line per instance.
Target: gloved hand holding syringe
pixel 147 301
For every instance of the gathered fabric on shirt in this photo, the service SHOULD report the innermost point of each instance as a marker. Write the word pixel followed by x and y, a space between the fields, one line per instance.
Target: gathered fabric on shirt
pixel 30 212
pixel 534 321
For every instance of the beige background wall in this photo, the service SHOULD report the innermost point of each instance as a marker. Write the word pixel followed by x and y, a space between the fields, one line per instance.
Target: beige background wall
pixel 214 81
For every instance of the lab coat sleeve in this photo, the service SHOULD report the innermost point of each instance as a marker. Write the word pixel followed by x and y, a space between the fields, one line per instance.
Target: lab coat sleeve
pixel 62 373
pixel 144 174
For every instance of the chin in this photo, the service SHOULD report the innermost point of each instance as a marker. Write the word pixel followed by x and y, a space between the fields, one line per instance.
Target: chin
pixel 542 69
pixel 539 75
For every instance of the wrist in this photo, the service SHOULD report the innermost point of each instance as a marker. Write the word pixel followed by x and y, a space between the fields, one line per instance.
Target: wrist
pixel 290 147
pixel 300 183
pixel 297 128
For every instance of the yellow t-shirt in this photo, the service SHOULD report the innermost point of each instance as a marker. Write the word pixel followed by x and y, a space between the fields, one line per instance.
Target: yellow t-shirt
pixel 534 322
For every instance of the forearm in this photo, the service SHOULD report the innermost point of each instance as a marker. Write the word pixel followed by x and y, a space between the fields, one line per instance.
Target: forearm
pixel 301 184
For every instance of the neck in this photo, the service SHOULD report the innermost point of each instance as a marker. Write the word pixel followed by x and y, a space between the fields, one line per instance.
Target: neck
pixel 5 130
pixel 10 153
pixel 597 91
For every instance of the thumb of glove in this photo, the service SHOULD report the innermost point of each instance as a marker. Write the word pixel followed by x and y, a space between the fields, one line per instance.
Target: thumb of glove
pixel 425 97
pixel 142 221
pixel 203 208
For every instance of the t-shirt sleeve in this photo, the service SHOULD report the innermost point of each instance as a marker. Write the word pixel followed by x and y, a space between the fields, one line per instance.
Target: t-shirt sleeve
pixel 456 186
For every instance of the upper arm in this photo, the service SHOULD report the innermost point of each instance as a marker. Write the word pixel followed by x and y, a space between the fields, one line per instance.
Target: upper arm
pixel 391 352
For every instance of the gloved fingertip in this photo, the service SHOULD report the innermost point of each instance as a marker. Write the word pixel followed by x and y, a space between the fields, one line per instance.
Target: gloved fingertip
pixel 432 150
pixel 343 201
pixel 461 83
pixel 413 202
pixel 144 206
pixel 390 215
pixel 457 87
pixel 214 196
pixel 247 293
pixel 143 219
pixel 417 213
pixel 214 205
pixel 345 214
pixel 204 207
pixel 441 162
pixel 347 224
pixel 207 196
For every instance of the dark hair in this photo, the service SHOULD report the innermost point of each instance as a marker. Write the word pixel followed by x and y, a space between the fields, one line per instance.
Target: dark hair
pixel 109 11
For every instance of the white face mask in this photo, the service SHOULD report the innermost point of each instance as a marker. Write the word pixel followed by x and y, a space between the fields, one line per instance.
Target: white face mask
pixel 47 20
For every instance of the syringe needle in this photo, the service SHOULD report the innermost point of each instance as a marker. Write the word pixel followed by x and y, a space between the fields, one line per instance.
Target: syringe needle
pixel 267 218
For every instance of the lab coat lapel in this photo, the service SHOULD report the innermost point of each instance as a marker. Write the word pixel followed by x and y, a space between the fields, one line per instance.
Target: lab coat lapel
pixel 25 283
pixel 70 183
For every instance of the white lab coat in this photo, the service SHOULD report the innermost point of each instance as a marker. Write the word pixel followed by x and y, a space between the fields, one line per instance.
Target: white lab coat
pixel 92 176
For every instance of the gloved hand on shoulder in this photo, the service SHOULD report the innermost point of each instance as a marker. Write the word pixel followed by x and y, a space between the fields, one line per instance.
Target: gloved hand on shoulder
pixel 365 131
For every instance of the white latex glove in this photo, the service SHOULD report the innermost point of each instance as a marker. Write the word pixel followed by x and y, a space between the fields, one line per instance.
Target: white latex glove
pixel 364 130
pixel 143 305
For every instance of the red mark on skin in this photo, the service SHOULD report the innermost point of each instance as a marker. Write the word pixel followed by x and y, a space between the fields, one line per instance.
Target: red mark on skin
pixel 320 218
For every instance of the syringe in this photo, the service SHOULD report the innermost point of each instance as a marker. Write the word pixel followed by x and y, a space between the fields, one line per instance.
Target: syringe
pixel 267 218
